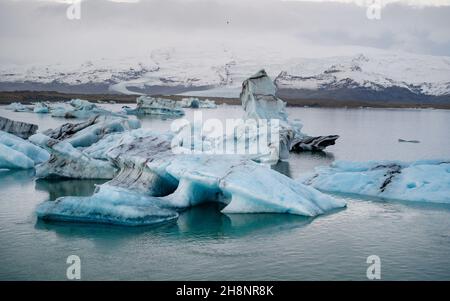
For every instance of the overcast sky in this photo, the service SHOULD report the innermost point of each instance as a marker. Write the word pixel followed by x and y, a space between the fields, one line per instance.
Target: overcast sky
pixel 32 30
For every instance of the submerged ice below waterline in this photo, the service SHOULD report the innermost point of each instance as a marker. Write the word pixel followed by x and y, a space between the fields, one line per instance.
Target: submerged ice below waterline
pixel 264 246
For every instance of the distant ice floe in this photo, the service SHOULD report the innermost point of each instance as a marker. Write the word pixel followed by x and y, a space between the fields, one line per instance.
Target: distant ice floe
pixel 18 107
pixel 17 153
pixel 420 181
pixel 147 105
pixel 41 108
pixel 79 108
pixel 196 103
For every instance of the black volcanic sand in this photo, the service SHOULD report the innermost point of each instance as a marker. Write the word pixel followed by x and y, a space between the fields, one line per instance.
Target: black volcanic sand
pixel 27 97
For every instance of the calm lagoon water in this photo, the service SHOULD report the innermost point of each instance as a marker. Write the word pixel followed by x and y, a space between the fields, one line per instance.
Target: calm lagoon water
pixel 412 240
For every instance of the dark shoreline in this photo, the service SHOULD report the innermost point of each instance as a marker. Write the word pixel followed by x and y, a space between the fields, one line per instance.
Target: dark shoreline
pixel 27 97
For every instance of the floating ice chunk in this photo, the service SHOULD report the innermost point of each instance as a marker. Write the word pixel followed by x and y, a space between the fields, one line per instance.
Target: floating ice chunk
pixel 80 108
pixel 243 186
pixel 155 106
pixel 35 153
pixel 260 102
pixel 195 103
pixel 17 107
pixel 421 181
pixel 18 128
pixel 110 205
pixel 68 162
pixel 12 159
pixel 41 108
pixel 86 133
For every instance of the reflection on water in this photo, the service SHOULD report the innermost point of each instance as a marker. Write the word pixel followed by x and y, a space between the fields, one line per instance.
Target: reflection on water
pixel 67 187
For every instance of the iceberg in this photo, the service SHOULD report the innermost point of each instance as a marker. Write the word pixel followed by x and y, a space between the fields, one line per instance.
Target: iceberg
pixel 66 161
pixel 420 181
pixel 18 128
pixel 195 103
pixel 41 108
pixel 259 100
pixel 80 108
pixel 155 106
pixel 108 206
pixel 148 168
pixel 16 153
pixel 86 133
pixel 17 107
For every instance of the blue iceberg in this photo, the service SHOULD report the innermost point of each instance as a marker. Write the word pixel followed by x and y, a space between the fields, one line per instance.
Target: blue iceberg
pixel 420 181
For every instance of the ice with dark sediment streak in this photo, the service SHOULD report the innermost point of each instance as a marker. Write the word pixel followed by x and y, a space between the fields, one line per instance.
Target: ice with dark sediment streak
pixel 79 108
pixel 149 167
pixel 109 206
pixel 260 102
pixel 420 181
pixel 17 107
pixel 67 143
pixel 196 103
pixel 18 128
pixel 17 153
pixel 147 105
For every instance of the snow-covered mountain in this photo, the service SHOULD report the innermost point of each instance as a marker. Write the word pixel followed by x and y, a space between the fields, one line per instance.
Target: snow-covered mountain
pixel 372 75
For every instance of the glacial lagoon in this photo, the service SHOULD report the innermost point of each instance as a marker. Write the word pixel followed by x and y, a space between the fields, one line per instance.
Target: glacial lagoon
pixel 411 239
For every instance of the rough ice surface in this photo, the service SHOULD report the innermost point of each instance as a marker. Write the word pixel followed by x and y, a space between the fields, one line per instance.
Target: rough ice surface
pixel 149 169
pixel 41 108
pixel 110 205
pixel 79 108
pixel 155 106
pixel 16 153
pixel 18 128
pixel 86 133
pixel 66 161
pixel 260 102
pixel 17 107
pixel 195 103
pixel 420 181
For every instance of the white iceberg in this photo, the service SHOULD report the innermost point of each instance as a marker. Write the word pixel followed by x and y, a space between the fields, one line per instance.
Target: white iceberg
pixel 17 107
pixel 155 106
pixel 79 108
pixel 420 181
pixel 109 206
pixel 16 153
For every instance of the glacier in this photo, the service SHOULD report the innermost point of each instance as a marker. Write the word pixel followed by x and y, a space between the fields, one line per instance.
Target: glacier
pixel 419 181
pixel 17 153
